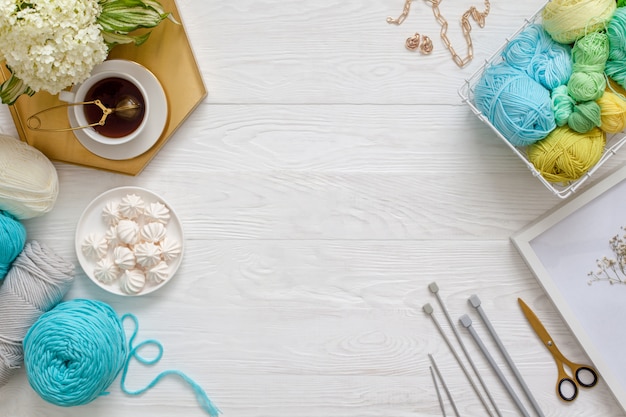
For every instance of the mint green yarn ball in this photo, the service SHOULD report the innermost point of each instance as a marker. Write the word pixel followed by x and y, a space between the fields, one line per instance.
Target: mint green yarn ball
pixel 562 105
pixel 589 55
pixel 586 86
pixel 616 31
pixel 585 117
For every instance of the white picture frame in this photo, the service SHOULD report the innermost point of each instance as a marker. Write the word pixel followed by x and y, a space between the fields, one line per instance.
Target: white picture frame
pixel 562 248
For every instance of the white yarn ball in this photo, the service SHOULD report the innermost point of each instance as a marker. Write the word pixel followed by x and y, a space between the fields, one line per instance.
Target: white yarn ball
pixel 29 184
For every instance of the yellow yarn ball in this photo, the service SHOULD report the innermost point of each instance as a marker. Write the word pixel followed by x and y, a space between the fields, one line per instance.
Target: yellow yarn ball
pixel 565 155
pixel 568 20
pixel 612 112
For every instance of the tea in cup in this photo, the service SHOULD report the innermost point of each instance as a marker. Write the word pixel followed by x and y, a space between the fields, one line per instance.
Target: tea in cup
pixel 115 100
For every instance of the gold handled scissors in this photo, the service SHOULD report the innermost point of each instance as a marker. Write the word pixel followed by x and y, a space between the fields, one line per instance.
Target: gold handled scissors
pixel 566 386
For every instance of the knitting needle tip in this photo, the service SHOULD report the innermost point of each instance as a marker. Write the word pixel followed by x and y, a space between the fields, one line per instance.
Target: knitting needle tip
pixel 465 320
pixel 474 301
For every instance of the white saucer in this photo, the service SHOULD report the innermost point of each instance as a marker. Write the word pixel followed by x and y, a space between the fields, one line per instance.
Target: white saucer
pixel 157 117
pixel 91 221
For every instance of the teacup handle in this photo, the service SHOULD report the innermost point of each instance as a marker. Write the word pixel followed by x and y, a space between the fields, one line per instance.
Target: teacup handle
pixel 67 96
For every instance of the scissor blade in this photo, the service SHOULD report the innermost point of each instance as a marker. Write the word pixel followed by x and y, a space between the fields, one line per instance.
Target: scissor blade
pixel 534 321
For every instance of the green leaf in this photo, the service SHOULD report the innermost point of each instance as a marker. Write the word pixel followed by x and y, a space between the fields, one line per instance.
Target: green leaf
pixel 13 88
pixel 113 39
pixel 119 18
pixel 124 16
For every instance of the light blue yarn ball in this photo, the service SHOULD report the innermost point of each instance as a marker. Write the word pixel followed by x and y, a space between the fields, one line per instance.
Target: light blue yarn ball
pixel 534 52
pixel 74 352
pixel 515 104
pixel 12 241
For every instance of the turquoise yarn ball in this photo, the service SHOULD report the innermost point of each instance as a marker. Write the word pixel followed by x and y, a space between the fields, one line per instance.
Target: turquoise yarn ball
pixel 538 55
pixel 515 104
pixel 74 352
pixel 12 241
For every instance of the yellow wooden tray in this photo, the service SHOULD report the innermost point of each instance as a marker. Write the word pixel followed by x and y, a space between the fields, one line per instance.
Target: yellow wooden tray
pixel 168 55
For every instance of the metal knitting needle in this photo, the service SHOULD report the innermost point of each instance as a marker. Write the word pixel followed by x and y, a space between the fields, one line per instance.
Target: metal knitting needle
pixel 432 374
pixel 445 387
pixel 475 302
pixel 434 288
pixel 428 309
pixel 466 321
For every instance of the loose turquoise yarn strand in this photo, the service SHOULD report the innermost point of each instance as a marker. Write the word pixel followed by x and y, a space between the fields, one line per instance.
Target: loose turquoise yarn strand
pixel 205 403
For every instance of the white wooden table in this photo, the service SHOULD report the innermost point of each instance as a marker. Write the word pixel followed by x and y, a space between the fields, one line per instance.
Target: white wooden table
pixel 327 179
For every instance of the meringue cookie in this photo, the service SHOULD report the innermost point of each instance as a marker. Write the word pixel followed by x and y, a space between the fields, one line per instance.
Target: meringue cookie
pixel 157 212
pixel 132 281
pixel 153 232
pixel 158 273
pixel 111 237
pixel 131 206
pixel 94 246
pixel 170 249
pixel 106 271
pixel 147 254
pixel 124 258
pixel 111 213
pixel 127 231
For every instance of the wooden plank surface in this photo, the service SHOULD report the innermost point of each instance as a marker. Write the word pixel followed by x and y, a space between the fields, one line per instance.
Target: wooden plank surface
pixel 326 180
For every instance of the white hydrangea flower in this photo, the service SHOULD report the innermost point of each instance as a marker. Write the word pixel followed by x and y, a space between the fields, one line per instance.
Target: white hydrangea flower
pixel 51 44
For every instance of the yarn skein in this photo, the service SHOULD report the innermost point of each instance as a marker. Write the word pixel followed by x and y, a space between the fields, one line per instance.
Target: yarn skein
pixel 565 155
pixel 589 57
pixel 568 20
pixel 612 112
pixel 616 32
pixel 538 55
pixel 29 184
pixel 515 104
pixel 37 281
pixel 74 352
pixel 562 105
pixel 12 240
pixel 585 117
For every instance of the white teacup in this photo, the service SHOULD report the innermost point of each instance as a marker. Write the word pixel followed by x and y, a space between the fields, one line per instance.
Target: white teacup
pixel 79 95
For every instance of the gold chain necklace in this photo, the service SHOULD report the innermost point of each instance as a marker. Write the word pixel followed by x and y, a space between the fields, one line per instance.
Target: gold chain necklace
pixel 479 17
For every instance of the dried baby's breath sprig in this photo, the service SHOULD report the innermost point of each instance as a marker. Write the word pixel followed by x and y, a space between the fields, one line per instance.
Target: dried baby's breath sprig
pixel 612 270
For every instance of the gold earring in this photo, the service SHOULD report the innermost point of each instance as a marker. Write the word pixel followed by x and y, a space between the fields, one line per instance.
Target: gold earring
pixel 413 42
pixel 427 45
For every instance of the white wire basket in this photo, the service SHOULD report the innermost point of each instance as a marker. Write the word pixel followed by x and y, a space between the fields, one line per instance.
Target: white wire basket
pixel 561 190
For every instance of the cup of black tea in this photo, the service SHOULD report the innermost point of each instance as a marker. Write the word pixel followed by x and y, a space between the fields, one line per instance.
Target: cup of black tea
pixel 123 96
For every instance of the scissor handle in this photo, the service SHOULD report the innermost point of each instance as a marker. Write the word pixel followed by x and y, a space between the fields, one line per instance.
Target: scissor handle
pixel 567 388
pixel 586 376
